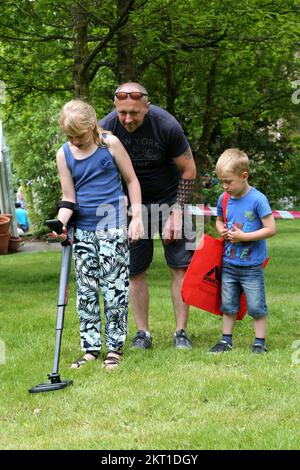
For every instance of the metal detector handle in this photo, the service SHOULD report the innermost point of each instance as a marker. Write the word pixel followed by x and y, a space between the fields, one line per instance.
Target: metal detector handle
pixel 55 225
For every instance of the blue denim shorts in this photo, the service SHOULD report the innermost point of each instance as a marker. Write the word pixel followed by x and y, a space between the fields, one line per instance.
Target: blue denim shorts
pixel 250 279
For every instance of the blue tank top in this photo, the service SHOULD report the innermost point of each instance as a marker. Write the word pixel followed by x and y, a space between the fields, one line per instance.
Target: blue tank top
pixel 98 190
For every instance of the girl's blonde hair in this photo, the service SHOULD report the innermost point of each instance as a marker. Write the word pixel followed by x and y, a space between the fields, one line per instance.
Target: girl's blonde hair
pixel 77 117
pixel 233 160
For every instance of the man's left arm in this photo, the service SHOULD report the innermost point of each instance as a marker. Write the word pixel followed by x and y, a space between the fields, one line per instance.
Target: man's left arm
pixel 186 165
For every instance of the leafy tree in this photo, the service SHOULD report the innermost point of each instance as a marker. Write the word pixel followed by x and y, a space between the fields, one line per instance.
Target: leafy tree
pixel 55 46
pixel 34 146
pixel 224 69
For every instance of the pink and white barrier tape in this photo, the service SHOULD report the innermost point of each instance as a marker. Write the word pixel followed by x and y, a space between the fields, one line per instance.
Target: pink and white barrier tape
pixel 207 210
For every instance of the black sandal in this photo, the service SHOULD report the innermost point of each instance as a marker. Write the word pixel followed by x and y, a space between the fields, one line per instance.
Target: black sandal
pixel 82 360
pixel 112 360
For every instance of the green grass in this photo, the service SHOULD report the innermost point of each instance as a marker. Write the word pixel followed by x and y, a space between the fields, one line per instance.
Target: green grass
pixel 158 399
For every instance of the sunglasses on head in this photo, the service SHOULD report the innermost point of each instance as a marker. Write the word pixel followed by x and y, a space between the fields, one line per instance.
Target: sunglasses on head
pixel 134 95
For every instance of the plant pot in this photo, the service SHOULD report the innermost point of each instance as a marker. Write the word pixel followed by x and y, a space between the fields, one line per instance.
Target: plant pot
pixel 4 224
pixel 9 216
pixel 13 244
pixel 4 240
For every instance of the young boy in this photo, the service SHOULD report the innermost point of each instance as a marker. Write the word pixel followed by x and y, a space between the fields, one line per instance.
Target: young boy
pixel 249 223
pixel 22 218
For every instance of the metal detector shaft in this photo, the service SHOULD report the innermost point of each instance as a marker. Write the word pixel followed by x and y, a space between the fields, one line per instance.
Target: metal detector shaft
pixel 55 381
pixel 62 298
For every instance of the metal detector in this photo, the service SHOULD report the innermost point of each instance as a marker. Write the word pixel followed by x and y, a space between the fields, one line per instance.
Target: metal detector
pixel 55 382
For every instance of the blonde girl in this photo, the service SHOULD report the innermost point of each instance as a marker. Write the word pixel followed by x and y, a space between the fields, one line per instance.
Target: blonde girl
pixel 89 166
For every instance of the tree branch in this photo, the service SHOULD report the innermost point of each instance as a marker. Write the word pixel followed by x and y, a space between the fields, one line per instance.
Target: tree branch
pixel 97 66
pixel 102 44
pixel 213 43
pixel 31 35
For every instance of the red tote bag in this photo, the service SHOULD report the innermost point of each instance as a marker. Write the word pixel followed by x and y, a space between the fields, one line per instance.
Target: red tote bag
pixel 201 286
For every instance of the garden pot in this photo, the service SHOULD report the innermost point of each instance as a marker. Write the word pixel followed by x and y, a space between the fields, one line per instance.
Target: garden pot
pixel 13 244
pixel 4 240
pixel 9 216
pixel 4 224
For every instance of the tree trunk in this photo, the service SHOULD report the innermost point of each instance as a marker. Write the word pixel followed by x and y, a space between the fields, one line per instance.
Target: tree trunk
pixel 80 72
pixel 125 45
pixel 209 116
pixel 171 88
pixel 202 151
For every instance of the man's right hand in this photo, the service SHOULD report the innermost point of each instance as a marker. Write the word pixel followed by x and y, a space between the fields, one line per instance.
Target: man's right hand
pixel 135 229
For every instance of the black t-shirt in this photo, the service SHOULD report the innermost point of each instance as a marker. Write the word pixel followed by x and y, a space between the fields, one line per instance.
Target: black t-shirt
pixel 152 149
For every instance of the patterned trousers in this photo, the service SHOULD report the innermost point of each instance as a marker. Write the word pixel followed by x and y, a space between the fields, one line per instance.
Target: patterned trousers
pixel 102 262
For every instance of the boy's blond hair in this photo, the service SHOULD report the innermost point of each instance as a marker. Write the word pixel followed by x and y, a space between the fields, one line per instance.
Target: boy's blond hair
pixel 233 160
pixel 77 117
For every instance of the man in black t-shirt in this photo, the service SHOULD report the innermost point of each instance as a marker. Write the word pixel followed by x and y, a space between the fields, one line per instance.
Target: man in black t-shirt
pixel 165 167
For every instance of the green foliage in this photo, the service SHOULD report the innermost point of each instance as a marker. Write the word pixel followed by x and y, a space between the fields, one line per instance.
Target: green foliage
pixel 34 137
pixel 242 99
pixel 210 227
pixel 224 69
